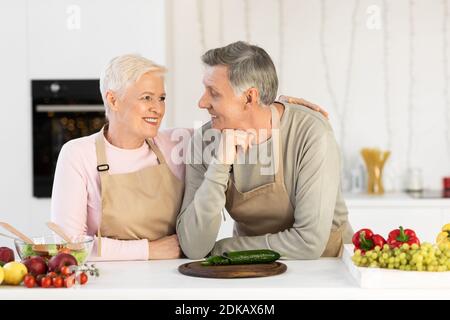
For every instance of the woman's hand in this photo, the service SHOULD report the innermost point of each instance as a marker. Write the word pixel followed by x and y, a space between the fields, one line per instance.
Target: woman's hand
pixel 164 248
pixel 304 103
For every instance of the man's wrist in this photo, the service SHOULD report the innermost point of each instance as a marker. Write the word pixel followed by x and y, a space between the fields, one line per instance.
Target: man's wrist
pixel 218 172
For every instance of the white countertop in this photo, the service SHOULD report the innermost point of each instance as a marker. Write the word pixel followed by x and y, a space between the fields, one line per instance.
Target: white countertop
pixel 326 278
pixel 393 199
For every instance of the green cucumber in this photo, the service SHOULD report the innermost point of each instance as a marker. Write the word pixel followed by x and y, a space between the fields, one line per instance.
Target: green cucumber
pixel 216 261
pixel 243 257
pixel 252 256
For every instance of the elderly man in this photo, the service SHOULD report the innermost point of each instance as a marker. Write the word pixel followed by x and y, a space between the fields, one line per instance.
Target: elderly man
pixel 292 203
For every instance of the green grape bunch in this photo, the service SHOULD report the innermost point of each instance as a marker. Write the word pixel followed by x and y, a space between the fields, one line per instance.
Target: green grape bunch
pixel 424 257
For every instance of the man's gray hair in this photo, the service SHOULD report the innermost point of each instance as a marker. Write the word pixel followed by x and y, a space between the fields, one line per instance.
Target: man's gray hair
pixel 248 66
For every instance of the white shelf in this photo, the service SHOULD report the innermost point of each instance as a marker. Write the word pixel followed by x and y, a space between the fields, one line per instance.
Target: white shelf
pixel 392 200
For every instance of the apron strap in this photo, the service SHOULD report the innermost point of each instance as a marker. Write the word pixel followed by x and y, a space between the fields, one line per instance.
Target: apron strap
pixel 102 168
pixel 102 162
pixel 276 142
pixel 157 151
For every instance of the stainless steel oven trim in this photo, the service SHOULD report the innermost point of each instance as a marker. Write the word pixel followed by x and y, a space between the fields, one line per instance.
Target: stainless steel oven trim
pixel 70 108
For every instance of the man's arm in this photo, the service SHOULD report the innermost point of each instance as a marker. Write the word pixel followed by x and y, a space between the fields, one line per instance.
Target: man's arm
pixel 318 176
pixel 204 198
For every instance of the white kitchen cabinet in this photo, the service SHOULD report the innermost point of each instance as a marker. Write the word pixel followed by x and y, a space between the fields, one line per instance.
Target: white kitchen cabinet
pixel 425 222
pixel 75 39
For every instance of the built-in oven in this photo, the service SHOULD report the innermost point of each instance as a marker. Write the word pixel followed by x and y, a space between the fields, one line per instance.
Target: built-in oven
pixel 62 110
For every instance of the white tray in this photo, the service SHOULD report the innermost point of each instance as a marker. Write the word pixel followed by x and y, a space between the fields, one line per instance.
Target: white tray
pixel 377 278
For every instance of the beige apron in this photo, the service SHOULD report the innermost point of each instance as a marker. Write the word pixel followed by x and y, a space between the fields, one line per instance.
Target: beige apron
pixel 267 208
pixel 138 205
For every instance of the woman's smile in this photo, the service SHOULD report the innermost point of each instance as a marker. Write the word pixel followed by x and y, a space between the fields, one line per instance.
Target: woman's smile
pixel 151 121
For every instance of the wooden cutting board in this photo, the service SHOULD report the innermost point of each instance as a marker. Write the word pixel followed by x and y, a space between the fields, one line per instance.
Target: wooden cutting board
pixel 195 269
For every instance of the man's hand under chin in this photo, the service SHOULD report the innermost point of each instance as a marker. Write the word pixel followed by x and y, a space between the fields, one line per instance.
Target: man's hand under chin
pixel 233 141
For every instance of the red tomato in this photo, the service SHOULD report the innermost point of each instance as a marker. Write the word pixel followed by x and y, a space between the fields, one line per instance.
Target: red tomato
pixel 65 271
pixel 52 274
pixel 58 282
pixel 29 281
pixel 69 281
pixel 39 279
pixel 83 278
pixel 46 282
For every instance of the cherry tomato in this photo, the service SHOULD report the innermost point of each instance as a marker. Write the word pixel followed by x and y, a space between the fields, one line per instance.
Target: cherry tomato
pixel 65 271
pixel 29 281
pixel 39 279
pixel 52 274
pixel 46 282
pixel 69 281
pixel 83 278
pixel 58 282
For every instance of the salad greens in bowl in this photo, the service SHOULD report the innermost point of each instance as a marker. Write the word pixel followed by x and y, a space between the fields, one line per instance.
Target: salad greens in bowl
pixel 48 246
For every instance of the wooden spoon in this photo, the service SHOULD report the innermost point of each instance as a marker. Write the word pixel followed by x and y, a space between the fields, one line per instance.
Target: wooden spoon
pixel 6 236
pixel 60 232
pixel 40 249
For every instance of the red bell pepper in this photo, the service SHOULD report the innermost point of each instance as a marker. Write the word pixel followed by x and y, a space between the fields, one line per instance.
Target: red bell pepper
pixel 365 240
pixel 400 236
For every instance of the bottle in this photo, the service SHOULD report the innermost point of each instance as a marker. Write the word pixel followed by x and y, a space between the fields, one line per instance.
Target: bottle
pixel 357 180
pixel 414 180
pixel 446 183
pixel 446 187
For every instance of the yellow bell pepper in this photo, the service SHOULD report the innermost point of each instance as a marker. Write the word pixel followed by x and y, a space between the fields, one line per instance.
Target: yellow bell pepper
pixel 444 235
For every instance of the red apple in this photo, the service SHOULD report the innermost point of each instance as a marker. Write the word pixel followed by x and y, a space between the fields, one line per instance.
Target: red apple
pixel 60 260
pixel 6 255
pixel 36 265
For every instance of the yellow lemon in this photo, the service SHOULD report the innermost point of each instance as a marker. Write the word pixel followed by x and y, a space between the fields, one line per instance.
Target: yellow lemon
pixel 2 275
pixel 14 272
pixel 446 227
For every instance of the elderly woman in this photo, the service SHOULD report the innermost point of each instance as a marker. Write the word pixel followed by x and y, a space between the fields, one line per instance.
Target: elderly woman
pixel 120 184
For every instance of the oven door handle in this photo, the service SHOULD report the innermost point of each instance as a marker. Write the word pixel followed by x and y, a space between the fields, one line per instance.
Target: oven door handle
pixel 70 108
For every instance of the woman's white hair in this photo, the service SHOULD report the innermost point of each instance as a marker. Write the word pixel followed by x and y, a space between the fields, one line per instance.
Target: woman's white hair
pixel 124 70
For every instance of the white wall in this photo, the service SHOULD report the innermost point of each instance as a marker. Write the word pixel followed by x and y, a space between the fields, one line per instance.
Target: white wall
pixel 35 43
pixel 16 205
pixel 303 72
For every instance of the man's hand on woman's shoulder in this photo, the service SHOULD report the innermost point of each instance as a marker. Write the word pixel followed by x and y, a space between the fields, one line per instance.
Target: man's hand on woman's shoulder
pixel 303 102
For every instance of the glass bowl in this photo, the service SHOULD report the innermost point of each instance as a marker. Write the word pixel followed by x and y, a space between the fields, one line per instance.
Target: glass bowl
pixel 50 245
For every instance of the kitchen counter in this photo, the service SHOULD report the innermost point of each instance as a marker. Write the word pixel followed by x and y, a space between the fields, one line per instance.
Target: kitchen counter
pixel 382 213
pixel 393 200
pixel 326 278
